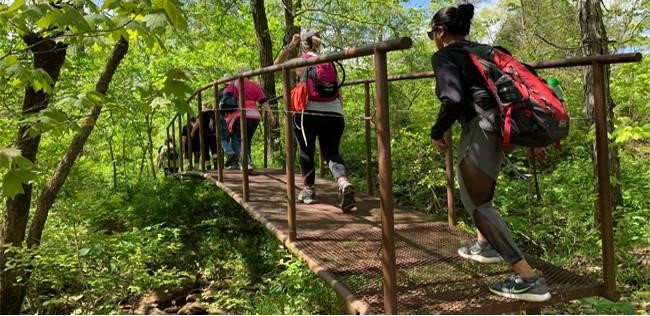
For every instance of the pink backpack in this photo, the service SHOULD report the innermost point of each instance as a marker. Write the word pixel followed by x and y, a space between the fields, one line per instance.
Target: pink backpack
pixel 321 81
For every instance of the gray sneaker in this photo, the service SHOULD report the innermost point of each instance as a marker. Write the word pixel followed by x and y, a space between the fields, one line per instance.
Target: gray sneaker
pixel 307 196
pixel 481 252
pixel 346 194
pixel 515 287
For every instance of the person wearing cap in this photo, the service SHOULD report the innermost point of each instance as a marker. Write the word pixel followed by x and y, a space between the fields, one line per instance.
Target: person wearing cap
pixel 322 119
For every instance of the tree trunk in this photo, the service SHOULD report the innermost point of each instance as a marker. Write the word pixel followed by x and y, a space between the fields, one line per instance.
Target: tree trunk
pixel 61 172
pixel 152 165
pixel 291 8
pixel 111 149
pixel 111 152
pixel 49 56
pixel 265 48
pixel 594 41
pixel 290 28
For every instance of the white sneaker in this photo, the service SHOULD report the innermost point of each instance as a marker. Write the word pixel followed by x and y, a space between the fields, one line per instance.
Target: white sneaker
pixel 307 196
pixel 346 194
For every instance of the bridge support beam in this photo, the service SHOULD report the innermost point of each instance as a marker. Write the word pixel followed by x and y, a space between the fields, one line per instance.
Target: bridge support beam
pixel 199 105
pixel 604 185
pixel 449 174
pixel 385 183
pixel 366 121
pixel 181 148
pixel 217 127
pixel 243 159
pixel 288 145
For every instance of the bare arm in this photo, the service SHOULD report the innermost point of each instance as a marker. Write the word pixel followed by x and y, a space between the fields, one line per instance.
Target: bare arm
pixel 266 108
pixel 287 49
pixel 195 127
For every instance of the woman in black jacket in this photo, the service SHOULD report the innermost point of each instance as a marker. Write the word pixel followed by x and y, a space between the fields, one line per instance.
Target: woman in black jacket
pixel 464 93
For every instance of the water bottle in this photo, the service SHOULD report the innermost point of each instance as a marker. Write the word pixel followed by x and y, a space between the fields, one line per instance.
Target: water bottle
pixel 554 83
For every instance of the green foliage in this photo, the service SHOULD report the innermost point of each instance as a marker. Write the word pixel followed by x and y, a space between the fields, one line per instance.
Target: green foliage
pixel 103 254
pixel 603 306
pixel 116 235
pixel 17 171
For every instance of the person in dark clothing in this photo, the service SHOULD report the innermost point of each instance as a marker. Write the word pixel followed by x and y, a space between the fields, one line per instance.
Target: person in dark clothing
pixel 195 142
pixel 209 136
pixel 465 98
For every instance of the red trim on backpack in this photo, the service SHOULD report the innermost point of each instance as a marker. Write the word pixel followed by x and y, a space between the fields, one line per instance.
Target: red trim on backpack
pixel 539 117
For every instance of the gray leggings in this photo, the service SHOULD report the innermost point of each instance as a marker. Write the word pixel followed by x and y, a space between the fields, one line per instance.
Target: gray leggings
pixel 479 162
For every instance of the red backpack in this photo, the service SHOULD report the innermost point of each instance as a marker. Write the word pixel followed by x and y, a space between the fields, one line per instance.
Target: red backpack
pixel 532 115
pixel 321 79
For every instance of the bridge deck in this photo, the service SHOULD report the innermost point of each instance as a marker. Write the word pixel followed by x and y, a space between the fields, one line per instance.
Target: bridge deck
pixel 345 250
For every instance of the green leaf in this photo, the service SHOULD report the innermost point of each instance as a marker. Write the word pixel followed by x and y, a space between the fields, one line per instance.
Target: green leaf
pixel 174 13
pixel 99 20
pixel 84 251
pixel 34 13
pixel 111 4
pixel 10 157
pixel 7 155
pixel 155 20
pixel 18 4
pixel 41 80
pixel 12 182
pixel 159 102
pixel 178 89
pixel 72 18
pixel 48 19
pixel 178 73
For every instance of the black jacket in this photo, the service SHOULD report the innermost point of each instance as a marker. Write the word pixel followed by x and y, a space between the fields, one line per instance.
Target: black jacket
pixel 459 86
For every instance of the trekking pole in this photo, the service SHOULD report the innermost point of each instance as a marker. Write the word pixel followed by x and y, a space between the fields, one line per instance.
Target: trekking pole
pixel 537 192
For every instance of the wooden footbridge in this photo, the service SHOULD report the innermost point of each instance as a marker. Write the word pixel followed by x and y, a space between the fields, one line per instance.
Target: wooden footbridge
pixel 387 259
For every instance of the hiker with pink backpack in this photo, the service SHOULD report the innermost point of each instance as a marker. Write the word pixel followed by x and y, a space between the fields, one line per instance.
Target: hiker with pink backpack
pixel 318 114
pixel 499 103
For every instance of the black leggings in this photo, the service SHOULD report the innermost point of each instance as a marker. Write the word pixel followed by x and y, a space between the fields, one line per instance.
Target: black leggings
pixel 329 130
pixel 486 217
pixel 210 147
pixel 480 156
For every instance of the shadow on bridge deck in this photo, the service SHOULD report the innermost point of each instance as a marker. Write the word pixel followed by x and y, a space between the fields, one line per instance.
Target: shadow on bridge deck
pixel 345 251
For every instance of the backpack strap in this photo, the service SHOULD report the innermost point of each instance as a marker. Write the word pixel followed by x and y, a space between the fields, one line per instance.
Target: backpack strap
pixel 342 71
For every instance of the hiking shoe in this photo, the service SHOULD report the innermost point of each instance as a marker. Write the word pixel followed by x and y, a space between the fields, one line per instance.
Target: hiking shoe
pixel 234 167
pixel 480 251
pixel 516 287
pixel 307 196
pixel 346 194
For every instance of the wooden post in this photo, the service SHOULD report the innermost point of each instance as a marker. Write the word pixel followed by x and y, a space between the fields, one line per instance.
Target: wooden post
pixel 289 146
pixel 217 126
pixel 366 121
pixel 201 131
pixel 385 184
pixel 244 137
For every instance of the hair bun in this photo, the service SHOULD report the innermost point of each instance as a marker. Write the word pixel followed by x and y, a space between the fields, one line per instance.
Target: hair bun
pixel 465 12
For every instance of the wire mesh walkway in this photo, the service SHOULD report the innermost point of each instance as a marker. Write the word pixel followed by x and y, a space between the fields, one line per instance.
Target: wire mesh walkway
pixel 345 251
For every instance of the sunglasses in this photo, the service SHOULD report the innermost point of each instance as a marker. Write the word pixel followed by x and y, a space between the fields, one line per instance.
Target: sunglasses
pixel 431 33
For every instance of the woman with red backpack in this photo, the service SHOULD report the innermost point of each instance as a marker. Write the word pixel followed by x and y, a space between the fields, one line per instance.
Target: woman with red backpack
pixel 465 96
pixel 322 118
